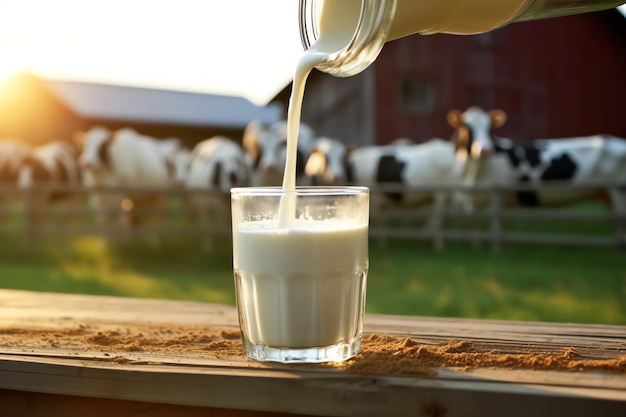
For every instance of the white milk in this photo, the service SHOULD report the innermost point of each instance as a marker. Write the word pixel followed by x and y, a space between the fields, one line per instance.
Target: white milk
pixel 459 17
pixel 450 16
pixel 302 287
pixel 332 37
pixel 301 283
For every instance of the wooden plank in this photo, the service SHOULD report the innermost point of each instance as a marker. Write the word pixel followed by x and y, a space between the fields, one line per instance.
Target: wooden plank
pixel 71 364
pixel 28 308
pixel 147 362
pixel 23 403
pixel 300 392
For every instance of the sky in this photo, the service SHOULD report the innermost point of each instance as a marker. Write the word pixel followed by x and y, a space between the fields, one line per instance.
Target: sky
pixel 247 48
pixel 235 47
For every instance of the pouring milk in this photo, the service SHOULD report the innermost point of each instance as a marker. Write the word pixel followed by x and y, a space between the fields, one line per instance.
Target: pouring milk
pixel 332 38
pixel 300 281
pixel 384 20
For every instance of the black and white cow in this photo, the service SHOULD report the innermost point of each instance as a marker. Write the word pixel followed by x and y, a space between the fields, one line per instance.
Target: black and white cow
pixel 178 160
pixel 49 173
pixel 266 149
pixel 404 166
pixel 327 163
pixel 217 165
pixel 48 169
pixel 12 154
pixel 51 163
pixel 427 164
pixel 430 164
pixel 125 158
pixel 584 160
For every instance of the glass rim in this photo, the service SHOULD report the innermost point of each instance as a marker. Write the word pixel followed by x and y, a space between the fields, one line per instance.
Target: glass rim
pixel 336 190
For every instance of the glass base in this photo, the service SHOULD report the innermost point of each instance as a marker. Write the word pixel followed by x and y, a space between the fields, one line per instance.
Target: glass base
pixel 335 353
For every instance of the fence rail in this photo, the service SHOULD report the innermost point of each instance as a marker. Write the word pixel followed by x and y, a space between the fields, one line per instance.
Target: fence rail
pixel 27 213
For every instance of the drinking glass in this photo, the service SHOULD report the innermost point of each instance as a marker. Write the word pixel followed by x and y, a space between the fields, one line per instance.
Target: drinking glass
pixel 300 274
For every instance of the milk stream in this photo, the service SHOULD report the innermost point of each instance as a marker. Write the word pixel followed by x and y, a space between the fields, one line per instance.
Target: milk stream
pixel 301 282
pixel 332 38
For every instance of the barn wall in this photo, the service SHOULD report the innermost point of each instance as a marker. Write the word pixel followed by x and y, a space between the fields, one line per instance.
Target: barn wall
pixel 341 108
pixel 554 78
pixel 584 68
pixel 414 86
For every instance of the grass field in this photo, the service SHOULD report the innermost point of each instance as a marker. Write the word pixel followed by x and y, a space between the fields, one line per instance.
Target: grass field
pixel 525 282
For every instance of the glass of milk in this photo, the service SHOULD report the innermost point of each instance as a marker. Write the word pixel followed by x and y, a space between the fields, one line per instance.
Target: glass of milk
pixel 300 284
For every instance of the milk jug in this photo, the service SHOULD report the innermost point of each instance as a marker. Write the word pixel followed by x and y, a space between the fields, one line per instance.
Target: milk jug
pixel 373 22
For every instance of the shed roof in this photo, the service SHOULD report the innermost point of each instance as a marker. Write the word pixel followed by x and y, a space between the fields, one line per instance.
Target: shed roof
pixel 123 103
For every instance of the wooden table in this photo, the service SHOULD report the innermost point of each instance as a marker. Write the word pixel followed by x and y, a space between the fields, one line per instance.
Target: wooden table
pixel 63 355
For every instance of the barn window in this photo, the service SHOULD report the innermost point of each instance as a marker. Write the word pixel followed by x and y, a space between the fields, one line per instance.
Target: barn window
pixel 416 95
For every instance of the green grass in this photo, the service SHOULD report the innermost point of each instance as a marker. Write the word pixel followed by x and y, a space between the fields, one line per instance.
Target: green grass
pixel 176 270
pixel 525 282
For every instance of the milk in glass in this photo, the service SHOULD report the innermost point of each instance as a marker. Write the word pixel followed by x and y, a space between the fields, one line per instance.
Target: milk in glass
pixel 300 257
pixel 301 288
pixel 304 286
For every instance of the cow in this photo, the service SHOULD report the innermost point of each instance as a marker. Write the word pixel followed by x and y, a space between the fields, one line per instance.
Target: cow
pixel 12 153
pixel 433 163
pixel 331 162
pixel 178 160
pixel 125 158
pixel 45 173
pixel 327 163
pixel 51 163
pixel 411 166
pixel 401 164
pixel 581 160
pixel 217 165
pixel 266 146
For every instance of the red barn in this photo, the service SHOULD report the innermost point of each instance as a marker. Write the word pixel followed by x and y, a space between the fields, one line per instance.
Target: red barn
pixel 554 78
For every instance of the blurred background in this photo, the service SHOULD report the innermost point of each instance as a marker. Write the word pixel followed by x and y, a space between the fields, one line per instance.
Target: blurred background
pixel 193 70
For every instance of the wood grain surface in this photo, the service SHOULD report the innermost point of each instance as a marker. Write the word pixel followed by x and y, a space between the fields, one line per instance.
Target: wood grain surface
pixel 44 373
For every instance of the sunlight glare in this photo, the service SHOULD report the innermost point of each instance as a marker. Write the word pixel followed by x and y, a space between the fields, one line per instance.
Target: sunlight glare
pixel 5 74
pixel 188 45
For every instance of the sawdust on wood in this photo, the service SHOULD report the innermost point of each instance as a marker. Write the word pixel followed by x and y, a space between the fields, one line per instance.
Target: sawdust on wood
pixel 380 353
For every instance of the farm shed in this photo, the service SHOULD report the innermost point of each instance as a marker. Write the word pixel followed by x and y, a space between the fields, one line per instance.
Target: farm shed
pixel 39 110
pixel 555 78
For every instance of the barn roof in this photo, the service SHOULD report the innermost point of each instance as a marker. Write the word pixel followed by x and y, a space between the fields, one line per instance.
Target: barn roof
pixel 122 103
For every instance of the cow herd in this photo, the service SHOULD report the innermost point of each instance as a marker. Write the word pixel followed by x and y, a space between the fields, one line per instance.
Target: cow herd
pixel 472 156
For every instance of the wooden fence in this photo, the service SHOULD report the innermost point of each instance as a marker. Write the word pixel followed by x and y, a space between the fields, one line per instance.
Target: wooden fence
pixel 497 219
pixel 494 221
